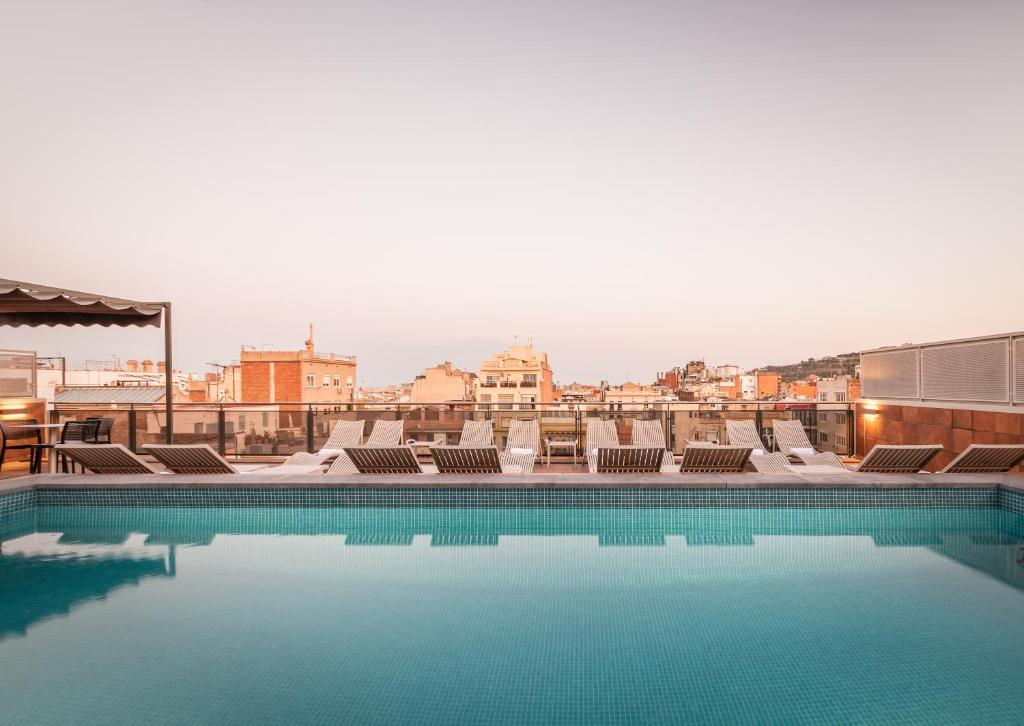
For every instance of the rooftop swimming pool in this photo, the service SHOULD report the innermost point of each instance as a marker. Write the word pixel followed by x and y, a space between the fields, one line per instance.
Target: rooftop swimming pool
pixel 475 607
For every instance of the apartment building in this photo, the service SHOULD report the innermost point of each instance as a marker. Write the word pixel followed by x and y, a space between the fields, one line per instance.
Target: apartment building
pixel 305 376
pixel 444 382
pixel 806 390
pixel 519 375
pixel 837 390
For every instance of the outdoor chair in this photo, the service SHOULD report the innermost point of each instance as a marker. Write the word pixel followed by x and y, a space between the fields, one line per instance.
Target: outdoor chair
pixel 522 445
pixel 201 459
pixel 882 459
pixel 477 433
pixel 791 439
pixel 629 460
pixel 601 434
pixel 472 460
pixel 743 432
pixel 76 432
pixel 103 431
pixel 383 434
pixel 17 438
pixel 714 459
pixel 103 458
pixel 986 459
pixel 651 433
pixel 383 460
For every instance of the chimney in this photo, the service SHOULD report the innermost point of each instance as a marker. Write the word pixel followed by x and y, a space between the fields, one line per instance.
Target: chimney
pixel 133 366
pixel 147 366
pixel 160 366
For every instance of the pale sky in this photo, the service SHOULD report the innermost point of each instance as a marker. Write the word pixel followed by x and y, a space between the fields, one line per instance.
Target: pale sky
pixel 631 184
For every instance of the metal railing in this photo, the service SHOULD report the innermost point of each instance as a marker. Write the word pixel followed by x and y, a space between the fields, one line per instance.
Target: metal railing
pixel 281 429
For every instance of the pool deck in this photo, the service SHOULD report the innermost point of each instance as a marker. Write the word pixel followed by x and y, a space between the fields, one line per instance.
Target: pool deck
pixel 505 481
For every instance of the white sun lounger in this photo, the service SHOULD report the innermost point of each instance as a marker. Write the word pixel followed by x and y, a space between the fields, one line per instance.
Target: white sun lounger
pixel 105 458
pixel 791 439
pixel 476 434
pixel 601 434
pixel 986 459
pixel 383 434
pixel 651 433
pixel 743 432
pixel 522 445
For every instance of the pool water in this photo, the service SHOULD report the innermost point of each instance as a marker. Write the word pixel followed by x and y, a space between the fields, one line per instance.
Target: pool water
pixel 511 615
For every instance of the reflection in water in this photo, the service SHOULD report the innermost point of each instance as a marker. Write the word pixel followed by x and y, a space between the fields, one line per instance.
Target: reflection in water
pixel 42 575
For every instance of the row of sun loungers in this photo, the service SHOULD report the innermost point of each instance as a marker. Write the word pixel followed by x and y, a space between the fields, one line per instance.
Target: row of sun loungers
pixel 384 453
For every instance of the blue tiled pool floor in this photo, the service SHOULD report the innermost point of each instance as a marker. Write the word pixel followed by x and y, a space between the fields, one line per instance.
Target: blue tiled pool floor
pixel 511 615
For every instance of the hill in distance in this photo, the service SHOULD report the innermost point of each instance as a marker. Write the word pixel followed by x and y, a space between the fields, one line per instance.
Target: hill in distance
pixel 833 365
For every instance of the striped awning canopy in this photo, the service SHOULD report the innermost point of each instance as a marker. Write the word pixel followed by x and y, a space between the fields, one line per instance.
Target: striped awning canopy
pixel 23 303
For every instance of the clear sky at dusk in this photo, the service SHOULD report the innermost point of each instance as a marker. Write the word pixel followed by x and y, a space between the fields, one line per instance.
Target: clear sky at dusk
pixel 631 184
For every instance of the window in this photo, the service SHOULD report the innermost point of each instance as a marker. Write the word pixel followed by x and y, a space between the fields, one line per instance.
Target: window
pixel 822 418
pixel 841 396
pixel 337 381
pixel 505 401
pixel 528 402
pixel 840 418
pixel 485 398
pixel 823 396
pixel 327 380
pixel 310 381
pixel 840 441
pixel 348 381
pixel 822 437
pixel 266 420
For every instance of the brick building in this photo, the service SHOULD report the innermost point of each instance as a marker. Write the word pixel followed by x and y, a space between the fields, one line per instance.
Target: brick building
pixel 305 376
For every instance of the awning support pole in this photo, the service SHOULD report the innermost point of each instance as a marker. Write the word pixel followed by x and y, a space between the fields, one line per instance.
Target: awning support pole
pixel 168 375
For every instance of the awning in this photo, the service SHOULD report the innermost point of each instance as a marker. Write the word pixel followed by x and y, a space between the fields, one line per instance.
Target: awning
pixel 23 303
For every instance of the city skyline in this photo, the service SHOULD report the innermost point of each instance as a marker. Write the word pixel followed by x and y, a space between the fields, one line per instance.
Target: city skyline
pixel 635 185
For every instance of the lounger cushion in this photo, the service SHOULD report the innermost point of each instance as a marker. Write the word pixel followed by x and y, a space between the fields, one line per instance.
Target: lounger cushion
pixel 757 452
pixel 330 453
pixel 516 451
pixel 802 452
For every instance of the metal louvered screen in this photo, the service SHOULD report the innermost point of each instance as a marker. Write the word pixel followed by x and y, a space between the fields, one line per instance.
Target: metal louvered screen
pixel 967 372
pixel 1018 370
pixel 890 374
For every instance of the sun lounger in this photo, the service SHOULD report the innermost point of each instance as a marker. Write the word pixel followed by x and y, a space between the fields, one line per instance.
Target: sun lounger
pixel 629 460
pixel 471 460
pixel 601 434
pixel 743 432
pixel 651 433
pixel 714 459
pixel 476 434
pixel 791 439
pixel 522 445
pixel 201 459
pixel 383 460
pixel 383 434
pixel 986 459
pixel 105 458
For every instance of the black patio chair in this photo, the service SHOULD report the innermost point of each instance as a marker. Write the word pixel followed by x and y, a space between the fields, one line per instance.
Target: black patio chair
pixel 15 437
pixel 104 428
pixel 84 431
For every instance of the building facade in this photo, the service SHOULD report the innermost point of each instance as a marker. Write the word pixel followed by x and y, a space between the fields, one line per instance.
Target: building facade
pixel 293 376
pixel 443 382
pixel 517 376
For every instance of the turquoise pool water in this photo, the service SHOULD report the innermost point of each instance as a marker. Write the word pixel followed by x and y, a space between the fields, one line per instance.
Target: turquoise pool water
pixel 511 615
